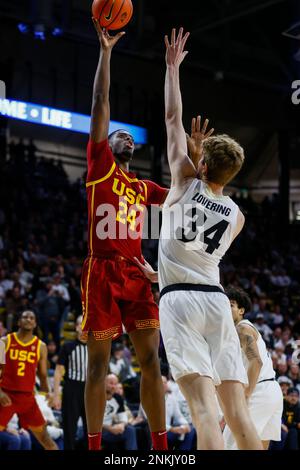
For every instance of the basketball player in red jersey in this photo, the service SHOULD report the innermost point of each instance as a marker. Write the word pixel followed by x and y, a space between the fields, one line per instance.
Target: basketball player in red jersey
pixel 114 290
pixel 26 354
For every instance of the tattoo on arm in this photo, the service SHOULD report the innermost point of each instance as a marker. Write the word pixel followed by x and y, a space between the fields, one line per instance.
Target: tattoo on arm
pixel 249 345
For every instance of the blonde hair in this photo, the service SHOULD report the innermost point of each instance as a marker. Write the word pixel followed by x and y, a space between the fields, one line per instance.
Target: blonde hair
pixel 224 158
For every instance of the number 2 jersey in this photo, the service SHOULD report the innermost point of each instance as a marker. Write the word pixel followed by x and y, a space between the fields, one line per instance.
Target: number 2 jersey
pixel 196 233
pixel 117 203
pixel 21 364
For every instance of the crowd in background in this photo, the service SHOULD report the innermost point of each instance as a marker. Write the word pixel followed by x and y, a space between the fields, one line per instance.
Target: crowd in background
pixel 43 234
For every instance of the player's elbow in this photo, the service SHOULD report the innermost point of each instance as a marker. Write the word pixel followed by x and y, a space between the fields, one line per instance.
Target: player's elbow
pixel 257 363
pixel 100 100
pixel 172 117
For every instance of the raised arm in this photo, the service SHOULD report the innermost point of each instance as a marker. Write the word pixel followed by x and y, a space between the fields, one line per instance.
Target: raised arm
pixel 181 166
pixel 100 115
pixel 248 340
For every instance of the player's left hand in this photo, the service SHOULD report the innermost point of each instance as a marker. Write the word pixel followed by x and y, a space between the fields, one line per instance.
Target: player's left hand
pixel 147 270
pixel 197 137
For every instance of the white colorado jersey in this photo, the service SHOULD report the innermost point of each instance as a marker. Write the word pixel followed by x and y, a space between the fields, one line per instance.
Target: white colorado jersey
pixel 196 233
pixel 267 371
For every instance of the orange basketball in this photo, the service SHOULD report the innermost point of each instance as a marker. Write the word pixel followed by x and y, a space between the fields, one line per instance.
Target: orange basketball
pixel 112 14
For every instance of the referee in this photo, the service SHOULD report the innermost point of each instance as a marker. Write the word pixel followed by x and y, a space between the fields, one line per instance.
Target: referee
pixel 72 365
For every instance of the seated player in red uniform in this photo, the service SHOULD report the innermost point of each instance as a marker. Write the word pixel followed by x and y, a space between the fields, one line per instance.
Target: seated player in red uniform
pixel 25 355
pixel 114 290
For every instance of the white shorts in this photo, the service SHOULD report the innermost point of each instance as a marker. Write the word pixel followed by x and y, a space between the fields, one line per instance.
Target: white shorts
pixel 265 406
pixel 200 337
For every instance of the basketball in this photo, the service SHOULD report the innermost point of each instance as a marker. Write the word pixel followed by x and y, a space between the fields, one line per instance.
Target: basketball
pixel 112 14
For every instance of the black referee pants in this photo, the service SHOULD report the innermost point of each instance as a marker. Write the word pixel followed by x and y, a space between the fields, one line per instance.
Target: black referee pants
pixel 72 410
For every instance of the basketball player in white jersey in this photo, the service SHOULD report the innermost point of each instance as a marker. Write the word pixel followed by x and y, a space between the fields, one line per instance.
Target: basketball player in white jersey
pixel 199 224
pixel 264 396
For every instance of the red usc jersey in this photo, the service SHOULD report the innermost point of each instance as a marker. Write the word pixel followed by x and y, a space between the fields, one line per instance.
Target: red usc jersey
pixel 21 364
pixel 117 203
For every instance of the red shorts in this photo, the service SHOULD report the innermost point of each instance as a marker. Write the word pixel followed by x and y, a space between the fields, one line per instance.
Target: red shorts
pixel 25 406
pixel 114 291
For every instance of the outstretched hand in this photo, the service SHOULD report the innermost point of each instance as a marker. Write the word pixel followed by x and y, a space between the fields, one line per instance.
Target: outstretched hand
pixel 197 137
pixel 107 42
pixel 175 52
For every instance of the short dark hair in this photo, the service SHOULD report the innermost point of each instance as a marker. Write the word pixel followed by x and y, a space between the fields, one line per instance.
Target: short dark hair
pixel 116 132
pixel 293 390
pixel 20 314
pixel 117 347
pixel 240 296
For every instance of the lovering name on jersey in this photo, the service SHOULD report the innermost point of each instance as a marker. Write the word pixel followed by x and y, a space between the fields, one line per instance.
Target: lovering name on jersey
pixel 21 355
pixel 213 206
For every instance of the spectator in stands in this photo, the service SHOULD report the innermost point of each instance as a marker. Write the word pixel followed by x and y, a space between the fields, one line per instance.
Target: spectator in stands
pixel 59 288
pixel 15 304
pixel 41 278
pixel 139 421
pixel 120 365
pixel 14 438
pixel 52 357
pixel 278 354
pixel 5 282
pixel 276 336
pixel 285 383
pixel 263 328
pixel 184 408
pixel 294 375
pixel 49 305
pixel 3 330
pixel 264 309
pixel 281 369
pixel 75 297
pixel 279 278
pixel 53 427
pixel 290 422
pixel 277 317
pixel 116 429
pixel 287 341
pixel 179 431
pixel 296 327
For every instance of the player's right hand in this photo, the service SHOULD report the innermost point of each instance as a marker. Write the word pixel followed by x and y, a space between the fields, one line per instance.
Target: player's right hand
pixel 197 137
pixel 175 52
pixel 107 42
pixel 4 399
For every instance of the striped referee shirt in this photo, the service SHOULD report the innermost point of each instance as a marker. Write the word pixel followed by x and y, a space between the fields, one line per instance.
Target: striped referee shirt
pixel 73 356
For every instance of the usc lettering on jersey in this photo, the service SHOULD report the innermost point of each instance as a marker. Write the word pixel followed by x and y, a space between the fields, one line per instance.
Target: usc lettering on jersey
pixel 116 205
pixel 21 364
